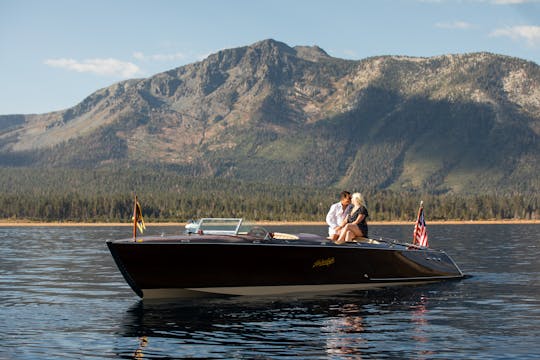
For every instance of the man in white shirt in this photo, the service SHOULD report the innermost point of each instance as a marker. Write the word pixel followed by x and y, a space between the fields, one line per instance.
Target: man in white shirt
pixel 337 214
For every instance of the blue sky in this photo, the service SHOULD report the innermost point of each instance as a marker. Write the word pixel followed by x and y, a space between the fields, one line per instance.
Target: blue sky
pixel 54 53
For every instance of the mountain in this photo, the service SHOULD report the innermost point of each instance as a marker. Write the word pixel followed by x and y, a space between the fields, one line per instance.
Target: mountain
pixel 295 115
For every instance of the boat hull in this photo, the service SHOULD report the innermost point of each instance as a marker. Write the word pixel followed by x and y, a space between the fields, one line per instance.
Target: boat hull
pixel 185 267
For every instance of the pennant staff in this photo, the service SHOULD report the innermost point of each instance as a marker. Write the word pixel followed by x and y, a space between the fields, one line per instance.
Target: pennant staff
pixel 138 221
pixel 420 236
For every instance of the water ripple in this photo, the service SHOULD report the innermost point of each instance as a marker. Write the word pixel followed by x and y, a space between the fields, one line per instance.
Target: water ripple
pixel 62 297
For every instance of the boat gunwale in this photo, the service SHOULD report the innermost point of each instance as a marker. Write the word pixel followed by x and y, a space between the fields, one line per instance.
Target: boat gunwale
pixel 245 240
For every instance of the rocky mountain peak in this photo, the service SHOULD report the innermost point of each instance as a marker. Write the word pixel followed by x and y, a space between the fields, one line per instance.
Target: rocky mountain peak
pixel 311 53
pixel 264 111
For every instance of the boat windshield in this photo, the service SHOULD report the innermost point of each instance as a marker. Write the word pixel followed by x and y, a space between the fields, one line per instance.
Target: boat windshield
pixel 225 226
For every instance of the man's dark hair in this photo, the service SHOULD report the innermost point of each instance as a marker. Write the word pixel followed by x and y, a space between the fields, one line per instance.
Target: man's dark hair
pixel 344 194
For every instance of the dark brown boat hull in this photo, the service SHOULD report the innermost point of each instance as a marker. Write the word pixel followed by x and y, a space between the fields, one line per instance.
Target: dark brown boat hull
pixel 155 268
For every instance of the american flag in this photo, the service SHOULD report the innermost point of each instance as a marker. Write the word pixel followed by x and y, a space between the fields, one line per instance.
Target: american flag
pixel 420 236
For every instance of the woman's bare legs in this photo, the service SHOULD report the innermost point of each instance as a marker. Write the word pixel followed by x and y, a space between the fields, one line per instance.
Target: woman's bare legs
pixel 349 236
pixel 352 232
pixel 349 232
pixel 342 234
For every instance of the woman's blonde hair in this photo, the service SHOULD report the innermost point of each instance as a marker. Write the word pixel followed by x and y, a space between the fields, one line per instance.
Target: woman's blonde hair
pixel 358 200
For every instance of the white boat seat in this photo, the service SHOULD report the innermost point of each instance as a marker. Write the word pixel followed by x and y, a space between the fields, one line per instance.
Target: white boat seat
pixel 362 239
pixel 284 236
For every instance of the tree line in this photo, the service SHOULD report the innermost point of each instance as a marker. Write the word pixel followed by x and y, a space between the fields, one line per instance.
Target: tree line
pixel 107 195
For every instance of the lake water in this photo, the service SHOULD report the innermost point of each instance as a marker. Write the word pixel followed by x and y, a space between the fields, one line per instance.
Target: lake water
pixel 62 297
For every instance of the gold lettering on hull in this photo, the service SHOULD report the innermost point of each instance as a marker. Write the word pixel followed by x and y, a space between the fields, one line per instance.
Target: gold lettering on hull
pixel 324 262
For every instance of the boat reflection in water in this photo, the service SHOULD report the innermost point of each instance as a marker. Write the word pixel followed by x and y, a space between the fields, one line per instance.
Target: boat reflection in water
pixel 355 324
pixel 223 256
pixel 345 331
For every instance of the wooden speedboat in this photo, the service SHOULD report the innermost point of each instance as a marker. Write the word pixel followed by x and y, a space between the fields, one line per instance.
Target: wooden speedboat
pixel 219 256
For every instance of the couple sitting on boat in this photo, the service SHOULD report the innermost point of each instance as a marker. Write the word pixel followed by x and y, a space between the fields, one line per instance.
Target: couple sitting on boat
pixel 347 218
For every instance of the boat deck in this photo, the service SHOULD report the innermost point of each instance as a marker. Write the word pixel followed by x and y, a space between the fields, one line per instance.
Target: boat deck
pixel 293 240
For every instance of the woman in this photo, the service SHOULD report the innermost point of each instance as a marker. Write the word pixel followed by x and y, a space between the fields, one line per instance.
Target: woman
pixel 355 224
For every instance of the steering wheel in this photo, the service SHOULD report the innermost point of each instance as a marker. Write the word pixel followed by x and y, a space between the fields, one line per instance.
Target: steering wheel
pixel 258 231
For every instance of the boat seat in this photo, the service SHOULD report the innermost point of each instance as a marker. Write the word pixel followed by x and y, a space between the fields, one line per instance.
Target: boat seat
pixel 361 239
pixel 284 236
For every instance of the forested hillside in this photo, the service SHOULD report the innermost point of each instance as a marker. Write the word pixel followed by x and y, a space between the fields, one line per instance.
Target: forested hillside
pixel 107 195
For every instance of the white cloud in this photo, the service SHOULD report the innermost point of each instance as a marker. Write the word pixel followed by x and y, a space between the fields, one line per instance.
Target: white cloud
pixel 513 2
pixel 104 67
pixel 461 25
pixel 159 57
pixel 527 32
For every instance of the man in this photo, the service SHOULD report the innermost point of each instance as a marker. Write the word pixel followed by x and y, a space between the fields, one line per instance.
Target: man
pixel 337 213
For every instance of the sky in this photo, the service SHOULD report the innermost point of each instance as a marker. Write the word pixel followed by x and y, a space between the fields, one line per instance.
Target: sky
pixel 55 53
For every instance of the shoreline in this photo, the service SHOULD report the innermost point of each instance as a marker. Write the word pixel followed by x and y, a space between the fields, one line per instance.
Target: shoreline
pixel 26 223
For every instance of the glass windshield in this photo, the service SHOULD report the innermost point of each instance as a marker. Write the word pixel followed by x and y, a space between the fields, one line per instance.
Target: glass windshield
pixel 220 225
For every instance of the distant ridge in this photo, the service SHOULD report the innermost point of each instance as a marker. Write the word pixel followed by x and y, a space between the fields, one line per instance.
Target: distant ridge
pixel 295 115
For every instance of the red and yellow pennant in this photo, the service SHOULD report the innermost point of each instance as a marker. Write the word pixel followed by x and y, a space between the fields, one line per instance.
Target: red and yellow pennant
pixel 138 221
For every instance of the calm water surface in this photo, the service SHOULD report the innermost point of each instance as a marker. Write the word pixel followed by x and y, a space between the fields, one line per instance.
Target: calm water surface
pixel 62 297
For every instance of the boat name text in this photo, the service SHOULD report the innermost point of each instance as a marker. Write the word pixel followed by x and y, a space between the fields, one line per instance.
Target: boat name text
pixel 324 262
